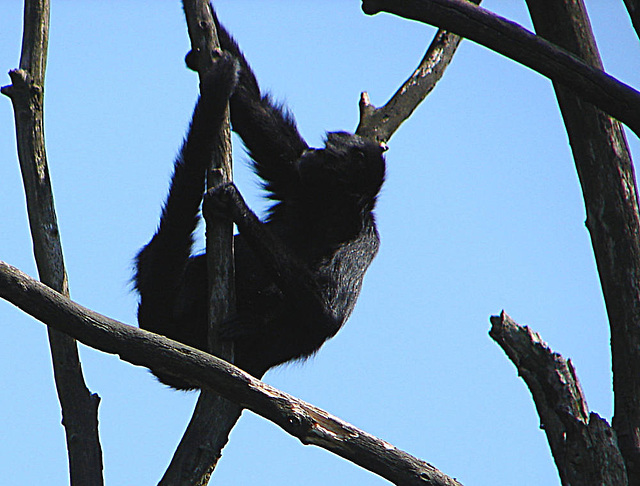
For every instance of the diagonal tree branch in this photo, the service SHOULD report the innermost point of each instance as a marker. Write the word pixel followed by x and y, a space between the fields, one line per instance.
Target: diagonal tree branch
pixel 381 123
pixel 515 42
pixel 584 446
pixel 309 424
pixel 633 6
pixel 79 406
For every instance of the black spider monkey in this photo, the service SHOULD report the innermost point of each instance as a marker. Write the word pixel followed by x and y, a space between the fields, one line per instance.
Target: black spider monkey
pixel 298 274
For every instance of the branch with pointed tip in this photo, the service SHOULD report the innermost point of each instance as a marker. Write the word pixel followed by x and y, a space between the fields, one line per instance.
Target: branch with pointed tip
pixel 515 42
pixel 381 123
pixel 583 444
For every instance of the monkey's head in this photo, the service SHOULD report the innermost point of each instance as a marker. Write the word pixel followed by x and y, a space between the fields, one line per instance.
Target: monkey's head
pixel 348 168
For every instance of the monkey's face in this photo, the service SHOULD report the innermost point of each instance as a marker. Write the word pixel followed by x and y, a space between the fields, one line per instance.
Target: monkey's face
pixel 349 167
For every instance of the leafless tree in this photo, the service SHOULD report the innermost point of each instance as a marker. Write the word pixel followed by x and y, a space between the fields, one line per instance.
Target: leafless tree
pixel 586 449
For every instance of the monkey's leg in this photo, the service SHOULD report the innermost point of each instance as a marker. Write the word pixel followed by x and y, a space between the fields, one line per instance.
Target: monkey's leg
pixel 294 278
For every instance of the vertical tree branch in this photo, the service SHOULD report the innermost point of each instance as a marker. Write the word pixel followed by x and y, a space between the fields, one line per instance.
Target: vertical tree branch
pixel 608 185
pixel 79 406
pixel 214 417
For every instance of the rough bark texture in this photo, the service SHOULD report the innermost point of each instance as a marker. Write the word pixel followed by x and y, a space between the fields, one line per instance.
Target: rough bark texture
pixel 381 123
pixel 517 43
pixel 309 424
pixel 608 185
pixel 79 406
pixel 213 418
pixel 584 446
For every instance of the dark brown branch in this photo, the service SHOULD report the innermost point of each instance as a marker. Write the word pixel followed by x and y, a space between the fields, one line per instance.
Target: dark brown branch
pixel 204 40
pixel 608 185
pixel 583 445
pixel 309 424
pixel 79 406
pixel 381 123
pixel 633 6
pixel 515 42
pixel 214 417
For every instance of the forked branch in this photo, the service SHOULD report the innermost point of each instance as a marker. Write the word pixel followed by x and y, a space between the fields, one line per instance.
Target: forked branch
pixel 515 42
pixel 381 123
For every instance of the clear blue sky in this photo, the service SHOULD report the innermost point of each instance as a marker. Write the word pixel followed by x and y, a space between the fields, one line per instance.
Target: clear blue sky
pixel 481 212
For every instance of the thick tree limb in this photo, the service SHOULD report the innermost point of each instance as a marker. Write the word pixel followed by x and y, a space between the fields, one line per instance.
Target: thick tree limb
pixel 381 123
pixel 583 445
pixel 309 424
pixel 515 42
pixel 79 406
pixel 214 417
pixel 608 185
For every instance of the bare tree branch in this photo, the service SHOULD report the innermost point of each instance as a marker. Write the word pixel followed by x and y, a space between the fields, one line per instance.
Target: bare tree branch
pixel 609 189
pixel 583 445
pixel 309 424
pixel 381 123
pixel 214 417
pixel 79 406
pixel 515 42
pixel 633 6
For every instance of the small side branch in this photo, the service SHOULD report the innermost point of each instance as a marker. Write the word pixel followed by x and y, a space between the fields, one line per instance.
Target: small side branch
pixel 309 424
pixel 583 444
pixel 79 406
pixel 513 41
pixel 381 123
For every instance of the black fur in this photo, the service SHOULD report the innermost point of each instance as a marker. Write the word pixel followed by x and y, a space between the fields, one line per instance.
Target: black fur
pixel 298 275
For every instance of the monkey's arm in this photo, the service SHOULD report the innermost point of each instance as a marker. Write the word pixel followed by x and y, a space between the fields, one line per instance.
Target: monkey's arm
pixel 296 281
pixel 267 129
pixel 161 264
